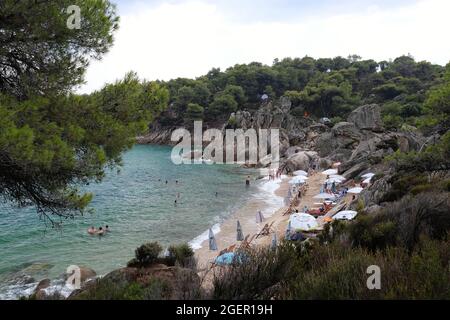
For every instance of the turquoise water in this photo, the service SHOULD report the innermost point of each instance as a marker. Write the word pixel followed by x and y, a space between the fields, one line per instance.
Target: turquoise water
pixel 137 207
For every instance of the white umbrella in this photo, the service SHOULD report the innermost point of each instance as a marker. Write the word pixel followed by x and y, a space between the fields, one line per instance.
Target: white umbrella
pixel 367 180
pixel 331 180
pixel 299 180
pixel 300 173
pixel 368 175
pixel 336 176
pixel 325 195
pixel 355 190
pixel 303 221
pixel 330 171
pixel 345 215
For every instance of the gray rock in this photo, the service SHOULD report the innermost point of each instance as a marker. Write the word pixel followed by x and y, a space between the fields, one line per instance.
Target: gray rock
pixel 367 117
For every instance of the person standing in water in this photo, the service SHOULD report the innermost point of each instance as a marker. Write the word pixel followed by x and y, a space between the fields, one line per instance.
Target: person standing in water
pixel 247 181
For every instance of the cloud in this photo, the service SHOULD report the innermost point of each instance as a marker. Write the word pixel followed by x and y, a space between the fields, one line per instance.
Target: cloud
pixel 186 39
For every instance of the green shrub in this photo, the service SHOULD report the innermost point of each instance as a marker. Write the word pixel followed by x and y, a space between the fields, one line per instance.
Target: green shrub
pixel 148 253
pixel 107 289
pixel 181 254
pixel 421 188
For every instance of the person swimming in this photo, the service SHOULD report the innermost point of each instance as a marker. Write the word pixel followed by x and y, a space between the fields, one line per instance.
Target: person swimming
pixel 247 181
pixel 107 228
pixel 92 230
pixel 100 231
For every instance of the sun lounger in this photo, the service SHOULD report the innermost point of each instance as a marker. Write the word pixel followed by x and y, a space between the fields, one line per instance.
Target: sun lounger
pixel 266 230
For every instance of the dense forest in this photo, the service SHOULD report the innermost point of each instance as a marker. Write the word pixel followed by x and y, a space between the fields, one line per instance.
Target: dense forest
pixel 325 87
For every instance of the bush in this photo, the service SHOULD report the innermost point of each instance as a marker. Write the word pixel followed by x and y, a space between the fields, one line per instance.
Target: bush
pixel 107 289
pixel 181 254
pixel 421 188
pixel 335 271
pixel 147 254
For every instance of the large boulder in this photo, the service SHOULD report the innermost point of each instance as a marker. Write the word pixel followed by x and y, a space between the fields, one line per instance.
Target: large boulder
pixel 367 117
pixel 301 160
pixel 339 143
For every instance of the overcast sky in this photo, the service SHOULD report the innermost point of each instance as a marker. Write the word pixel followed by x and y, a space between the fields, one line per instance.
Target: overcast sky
pixel 183 38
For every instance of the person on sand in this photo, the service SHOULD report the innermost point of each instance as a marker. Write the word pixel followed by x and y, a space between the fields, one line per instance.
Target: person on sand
pixel 92 230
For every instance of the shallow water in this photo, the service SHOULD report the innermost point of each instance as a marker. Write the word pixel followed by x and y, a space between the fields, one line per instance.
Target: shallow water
pixel 137 207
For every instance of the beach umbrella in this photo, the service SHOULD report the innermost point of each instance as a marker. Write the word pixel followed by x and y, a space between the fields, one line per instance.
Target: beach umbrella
pixel 212 240
pixel 345 215
pixel 330 171
pixel 274 243
pixel 368 175
pixel 239 235
pixel 288 231
pixel 298 179
pixel 259 217
pixel 300 173
pixel 367 180
pixel 331 180
pixel 325 195
pixel 303 221
pixel 337 176
pixel 355 190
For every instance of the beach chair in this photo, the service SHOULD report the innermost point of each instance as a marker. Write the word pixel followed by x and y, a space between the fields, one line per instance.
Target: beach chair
pixel 246 243
pixel 266 230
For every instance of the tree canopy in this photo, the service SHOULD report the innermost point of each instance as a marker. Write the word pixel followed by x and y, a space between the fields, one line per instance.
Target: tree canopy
pixel 325 87
pixel 53 141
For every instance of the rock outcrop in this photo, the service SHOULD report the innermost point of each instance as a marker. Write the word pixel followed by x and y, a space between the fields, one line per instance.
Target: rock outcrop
pixel 367 117
pixel 180 283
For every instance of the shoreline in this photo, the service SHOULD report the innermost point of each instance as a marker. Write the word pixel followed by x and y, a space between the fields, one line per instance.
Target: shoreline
pixel 270 200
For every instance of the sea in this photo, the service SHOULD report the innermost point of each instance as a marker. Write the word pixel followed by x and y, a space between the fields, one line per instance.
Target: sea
pixel 137 202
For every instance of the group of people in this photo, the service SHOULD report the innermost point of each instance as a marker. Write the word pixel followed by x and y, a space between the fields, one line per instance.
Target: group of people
pixel 274 174
pixel 100 231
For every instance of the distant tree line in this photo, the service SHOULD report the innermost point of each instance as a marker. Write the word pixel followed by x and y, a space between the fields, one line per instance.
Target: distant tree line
pixel 325 87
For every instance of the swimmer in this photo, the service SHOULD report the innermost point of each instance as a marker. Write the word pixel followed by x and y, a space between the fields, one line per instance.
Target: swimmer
pixel 247 181
pixel 100 231
pixel 167 181
pixel 107 228
pixel 175 203
pixel 92 230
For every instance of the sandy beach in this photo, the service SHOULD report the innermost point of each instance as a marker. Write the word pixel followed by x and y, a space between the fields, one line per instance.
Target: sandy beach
pixel 246 215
